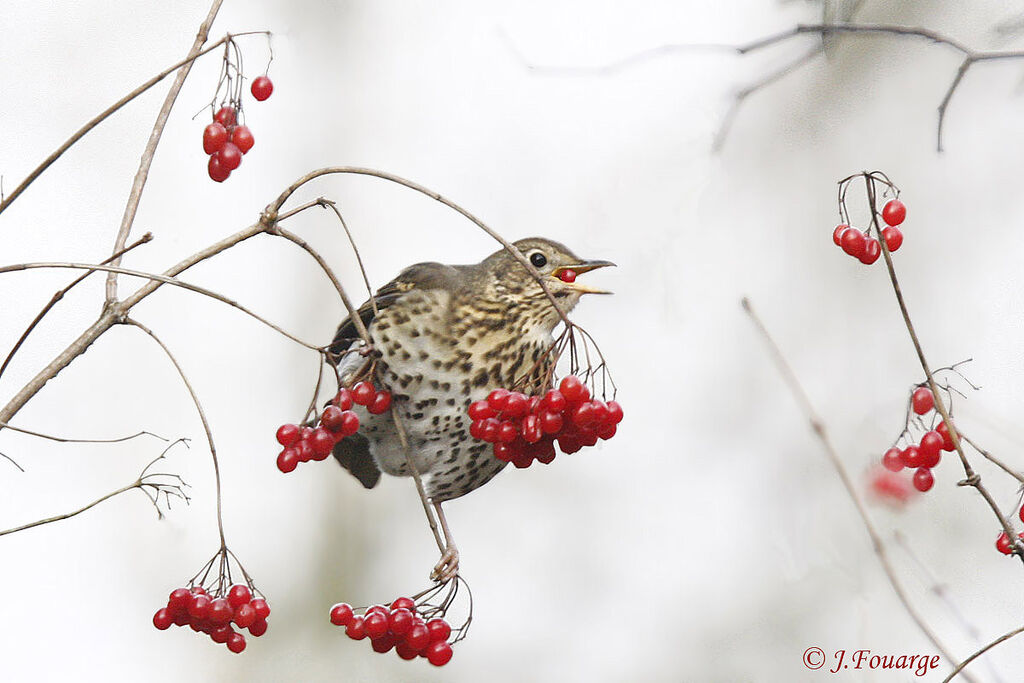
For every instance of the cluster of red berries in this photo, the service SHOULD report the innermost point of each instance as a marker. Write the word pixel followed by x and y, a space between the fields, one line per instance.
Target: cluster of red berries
pixel 213 615
pixel 399 626
pixel 925 455
pixel 524 428
pixel 865 248
pixel 225 140
pixel 338 420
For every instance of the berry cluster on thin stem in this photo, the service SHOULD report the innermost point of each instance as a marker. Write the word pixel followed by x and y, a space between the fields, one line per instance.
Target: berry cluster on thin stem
pixel 972 478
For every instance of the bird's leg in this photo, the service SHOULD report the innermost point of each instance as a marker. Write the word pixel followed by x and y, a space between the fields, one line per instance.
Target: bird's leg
pixel 447 568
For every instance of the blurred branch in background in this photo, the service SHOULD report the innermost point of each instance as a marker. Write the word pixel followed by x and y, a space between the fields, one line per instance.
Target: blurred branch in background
pixel 818 427
pixel 824 31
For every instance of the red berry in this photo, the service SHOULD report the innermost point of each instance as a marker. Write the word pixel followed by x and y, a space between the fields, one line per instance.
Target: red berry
pixel 490 430
pixel 221 634
pixel 872 250
pixel 614 412
pixel 922 400
pixel 439 630
pixel 1021 514
pixel 243 139
pixel 349 423
pixel 220 611
pixel 923 479
pixel 230 156
pixel 383 644
pixel 507 433
pixel 304 449
pixel 236 642
pixel 503 452
pixel 406 652
pixel 553 401
pixel 931 449
pixel 400 621
pixel 891 460
pixel 497 398
pixel 854 242
pixel 911 457
pixel 216 169
pixel 1003 544
pixel 258 628
pixel 418 637
pixel 343 399
pixel 245 615
pixel 516 405
pixel 287 434
pixel 381 402
pixel 199 607
pixel 531 429
pixel 567 275
pixel 480 410
pixel 322 443
pixel 262 88
pixel 354 629
pixel 573 389
pixel 407 603
pixel 894 212
pixel 163 619
pixel 439 653
pixel 261 607
pixel 332 418
pixel 214 137
pixel 585 416
pixel 288 460
pixel 198 590
pixel 375 624
pixel 363 393
pixel 893 238
pixel 550 423
pixel 179 599
pixel 947 441
pixel 837 234
pixel 341 614
pixel 238 595
pixel 225 116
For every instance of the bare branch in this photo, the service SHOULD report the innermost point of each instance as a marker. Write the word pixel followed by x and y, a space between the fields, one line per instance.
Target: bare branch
pixel 960 667
pixel 818 427
pixel 60 295
pixel 60 439
pixel 202 418
pixel 139 184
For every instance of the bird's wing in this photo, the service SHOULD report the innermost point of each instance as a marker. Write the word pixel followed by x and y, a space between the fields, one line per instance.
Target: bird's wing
pixel 353 452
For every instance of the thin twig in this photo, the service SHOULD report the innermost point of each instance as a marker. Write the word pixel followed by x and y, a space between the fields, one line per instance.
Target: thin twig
pixel 60 439
pixel 818 427
pixel 165 280
pixel 994 460
pixel 202 418
pixel 140 483
pixel 960 667
pixel 327 203
pixel 139 184
pixel 60 295
pixel 353 312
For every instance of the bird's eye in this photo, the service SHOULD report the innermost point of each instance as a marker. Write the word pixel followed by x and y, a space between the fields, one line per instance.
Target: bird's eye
pixel 538 259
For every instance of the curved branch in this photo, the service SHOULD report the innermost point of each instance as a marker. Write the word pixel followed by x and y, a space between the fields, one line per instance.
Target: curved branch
pixel 959 669
pixel 165 280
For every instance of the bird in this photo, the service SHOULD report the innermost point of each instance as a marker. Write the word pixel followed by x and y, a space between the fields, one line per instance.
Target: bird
pixel 444 336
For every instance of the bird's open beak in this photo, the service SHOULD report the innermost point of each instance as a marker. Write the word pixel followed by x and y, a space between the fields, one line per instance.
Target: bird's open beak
pixel 579 269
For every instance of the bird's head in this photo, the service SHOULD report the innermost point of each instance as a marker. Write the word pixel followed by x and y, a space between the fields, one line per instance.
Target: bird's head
pixel 509 283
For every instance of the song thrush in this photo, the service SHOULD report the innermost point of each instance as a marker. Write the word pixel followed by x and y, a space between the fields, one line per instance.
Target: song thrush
pixel 445 336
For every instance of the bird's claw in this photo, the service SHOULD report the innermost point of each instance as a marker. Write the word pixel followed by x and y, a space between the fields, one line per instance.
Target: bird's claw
pixel 447 568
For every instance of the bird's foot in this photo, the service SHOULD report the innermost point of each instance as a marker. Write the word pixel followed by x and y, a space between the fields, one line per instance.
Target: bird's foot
pixel 447 568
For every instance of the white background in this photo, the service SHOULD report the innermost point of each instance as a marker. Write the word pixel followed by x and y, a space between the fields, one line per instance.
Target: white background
pixel 710 540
